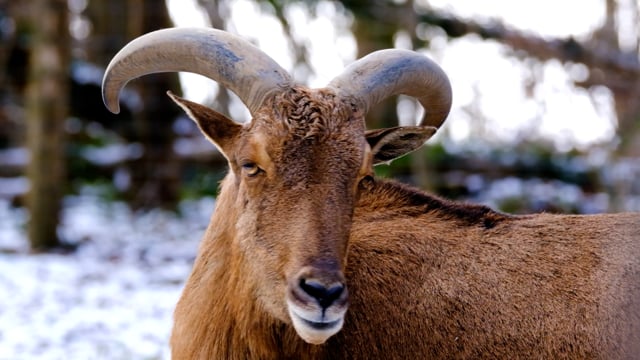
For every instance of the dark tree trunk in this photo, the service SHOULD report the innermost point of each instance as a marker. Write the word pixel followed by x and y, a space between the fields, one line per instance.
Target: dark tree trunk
pixel 155 175
pixel 46 112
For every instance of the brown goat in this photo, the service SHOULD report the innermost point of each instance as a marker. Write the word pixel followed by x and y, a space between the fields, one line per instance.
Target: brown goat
pixel 303 231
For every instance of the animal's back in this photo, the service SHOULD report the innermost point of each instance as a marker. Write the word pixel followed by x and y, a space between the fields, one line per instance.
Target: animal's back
pixel 438 279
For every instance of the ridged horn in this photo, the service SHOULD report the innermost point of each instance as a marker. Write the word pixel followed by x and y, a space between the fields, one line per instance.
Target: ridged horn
pixel 228 59
pixel 385 73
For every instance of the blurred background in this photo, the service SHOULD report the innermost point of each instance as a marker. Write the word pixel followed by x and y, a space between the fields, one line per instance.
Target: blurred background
pixel 100 214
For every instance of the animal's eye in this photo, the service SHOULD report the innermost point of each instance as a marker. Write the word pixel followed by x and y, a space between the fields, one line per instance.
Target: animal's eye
pixel 250 168
pixel 366 182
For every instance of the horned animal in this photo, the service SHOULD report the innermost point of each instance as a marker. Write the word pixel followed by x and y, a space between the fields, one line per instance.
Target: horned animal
pixel 309 256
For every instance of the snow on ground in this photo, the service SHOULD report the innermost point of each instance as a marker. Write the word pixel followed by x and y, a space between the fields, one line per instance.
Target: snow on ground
pixel 113 298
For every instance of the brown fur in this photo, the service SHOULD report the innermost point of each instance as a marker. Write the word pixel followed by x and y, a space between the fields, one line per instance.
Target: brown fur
pixel 542 286
pixel 427 278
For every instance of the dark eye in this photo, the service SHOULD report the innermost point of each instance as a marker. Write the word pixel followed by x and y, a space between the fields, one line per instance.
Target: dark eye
pixel 250 169
pixel 366 182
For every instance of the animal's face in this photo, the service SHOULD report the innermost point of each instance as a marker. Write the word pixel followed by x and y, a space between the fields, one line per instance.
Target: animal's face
pixel 295 173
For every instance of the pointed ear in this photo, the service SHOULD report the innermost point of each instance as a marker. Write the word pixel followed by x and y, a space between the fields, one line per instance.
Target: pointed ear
pixel 388 144
pixel 219 129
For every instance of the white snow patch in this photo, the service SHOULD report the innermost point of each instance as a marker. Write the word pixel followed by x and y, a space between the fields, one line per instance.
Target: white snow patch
pixel 111 299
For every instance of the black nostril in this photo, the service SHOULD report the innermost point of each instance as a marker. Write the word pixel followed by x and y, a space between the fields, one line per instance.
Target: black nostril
pixel 324 295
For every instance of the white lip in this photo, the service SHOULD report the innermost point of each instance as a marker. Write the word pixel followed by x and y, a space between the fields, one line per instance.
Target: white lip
pixel 316 330
pixel 318 325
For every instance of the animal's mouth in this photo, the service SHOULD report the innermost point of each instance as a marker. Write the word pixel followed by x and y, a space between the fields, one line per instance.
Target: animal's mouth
pixel 317 301
pixel 316 330
pixel 328 325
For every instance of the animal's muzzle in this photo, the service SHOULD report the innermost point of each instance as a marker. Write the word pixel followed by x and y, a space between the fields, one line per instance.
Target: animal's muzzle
pixel 317 302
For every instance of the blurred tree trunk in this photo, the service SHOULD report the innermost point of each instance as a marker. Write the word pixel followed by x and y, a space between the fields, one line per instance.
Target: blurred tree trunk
pixel 217 11
pixel 110 22
pixel 374 32
pixel 13 72
pixel 155 175
pixel 375 27
pixel 46 112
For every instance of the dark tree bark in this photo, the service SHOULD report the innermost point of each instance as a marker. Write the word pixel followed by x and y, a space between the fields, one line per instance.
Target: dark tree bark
pixel 155 175
pixel 373 31
pixel 217 12
pixel 375 27
pixel 14 69
pixel 46 111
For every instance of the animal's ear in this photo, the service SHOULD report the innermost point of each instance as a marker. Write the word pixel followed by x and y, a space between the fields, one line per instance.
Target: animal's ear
pixel 218 128
pixel 390 143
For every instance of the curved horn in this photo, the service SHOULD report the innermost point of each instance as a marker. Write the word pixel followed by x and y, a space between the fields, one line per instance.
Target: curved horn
pixel 218 55
pixel 385 73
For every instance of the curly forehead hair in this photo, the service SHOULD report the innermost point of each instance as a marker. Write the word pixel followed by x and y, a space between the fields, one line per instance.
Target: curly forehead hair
pixel 311 113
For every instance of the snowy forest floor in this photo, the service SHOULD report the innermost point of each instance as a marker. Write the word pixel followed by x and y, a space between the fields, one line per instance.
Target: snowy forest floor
pixel 111 298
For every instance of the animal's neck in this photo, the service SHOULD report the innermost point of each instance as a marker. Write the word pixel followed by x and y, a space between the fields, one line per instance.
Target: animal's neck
pixel 215 318
pixel 389 198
